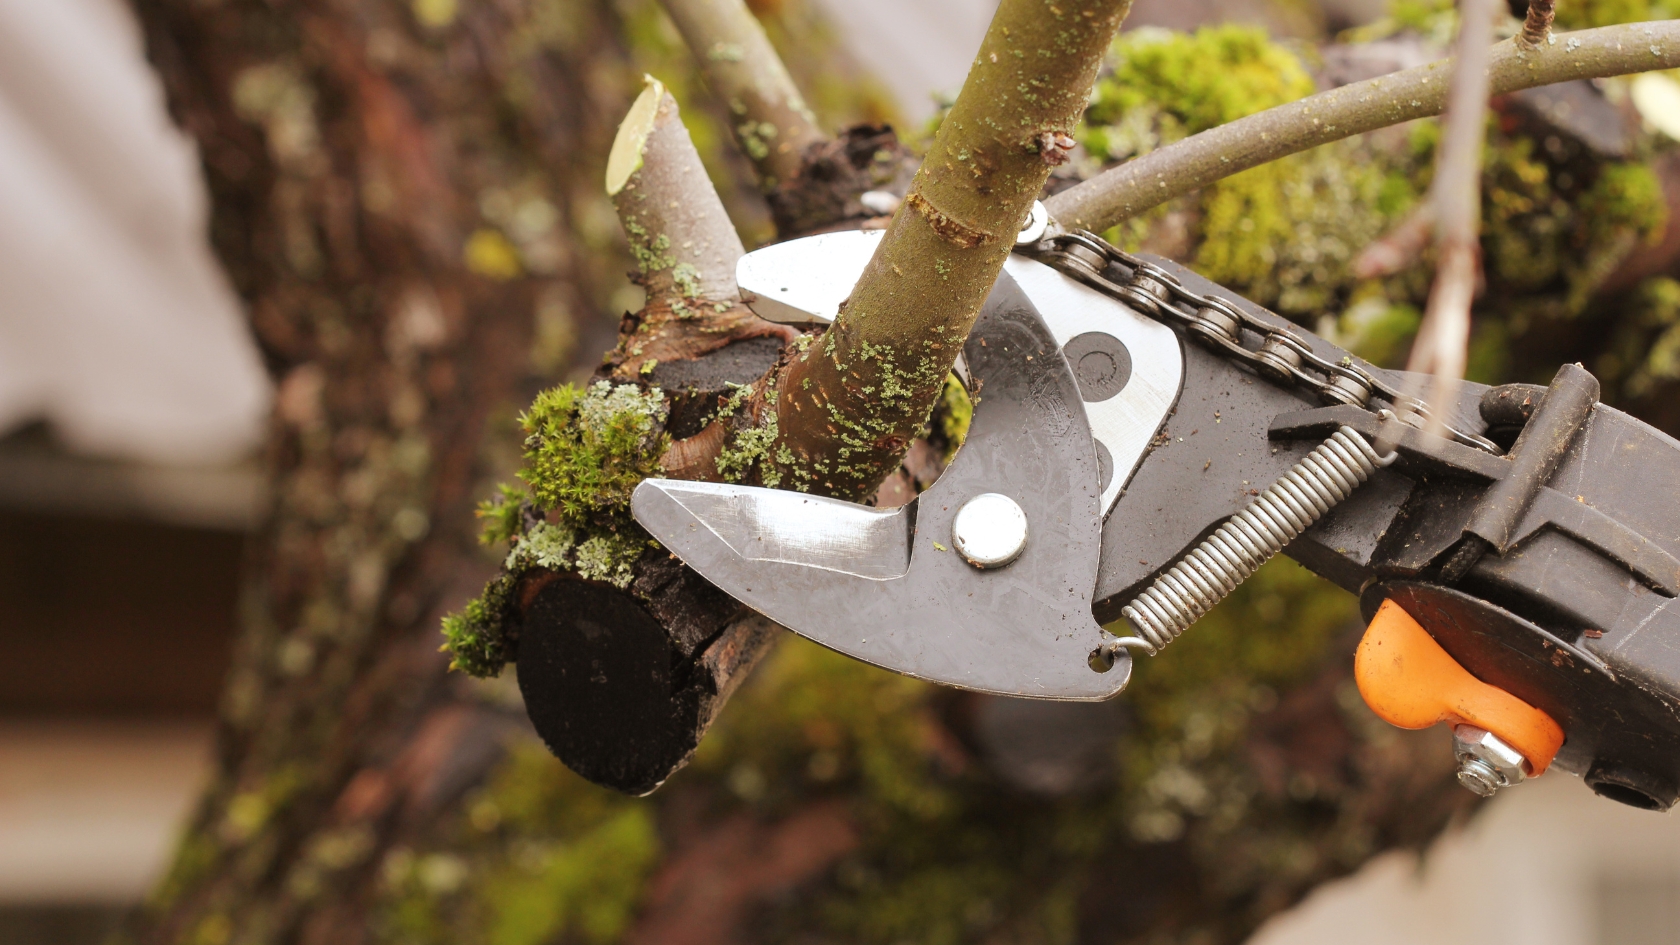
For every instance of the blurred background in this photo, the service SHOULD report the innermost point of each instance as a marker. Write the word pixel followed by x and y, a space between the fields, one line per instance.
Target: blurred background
pixel 134 405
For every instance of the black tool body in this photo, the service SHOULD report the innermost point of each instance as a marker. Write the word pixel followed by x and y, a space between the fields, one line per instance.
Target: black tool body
pixel 1550 571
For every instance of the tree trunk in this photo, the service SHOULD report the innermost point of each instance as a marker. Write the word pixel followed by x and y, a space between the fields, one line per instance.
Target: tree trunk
pixel 395 197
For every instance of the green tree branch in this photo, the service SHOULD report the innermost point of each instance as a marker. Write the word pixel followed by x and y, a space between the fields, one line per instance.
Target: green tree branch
pixel 1177 169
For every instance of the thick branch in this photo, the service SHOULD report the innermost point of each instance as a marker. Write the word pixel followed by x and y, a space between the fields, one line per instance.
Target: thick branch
pixel 1199 160
pixel 626 708
pixel 768 116
pixel 850 405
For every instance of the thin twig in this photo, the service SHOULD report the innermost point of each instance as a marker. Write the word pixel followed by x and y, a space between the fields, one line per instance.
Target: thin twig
pixel 767 115
pixel 1201 159
pixel 1537 25
pixel 1455 202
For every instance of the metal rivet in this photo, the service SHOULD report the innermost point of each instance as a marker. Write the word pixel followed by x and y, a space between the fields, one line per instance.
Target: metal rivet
pixel 1037 222
pixel 990 530
pixel 1277 360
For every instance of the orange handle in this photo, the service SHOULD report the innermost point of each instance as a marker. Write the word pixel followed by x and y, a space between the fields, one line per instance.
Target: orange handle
pixel 1409 681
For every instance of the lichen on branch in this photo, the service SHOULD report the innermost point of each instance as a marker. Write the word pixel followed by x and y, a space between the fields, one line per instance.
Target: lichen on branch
pixel 585 451
pixel 850 405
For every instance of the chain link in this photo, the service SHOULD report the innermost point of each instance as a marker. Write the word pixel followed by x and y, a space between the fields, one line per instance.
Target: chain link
pixel 1279 356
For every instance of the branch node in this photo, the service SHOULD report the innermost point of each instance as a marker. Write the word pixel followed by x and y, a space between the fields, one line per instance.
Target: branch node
pixel 950 229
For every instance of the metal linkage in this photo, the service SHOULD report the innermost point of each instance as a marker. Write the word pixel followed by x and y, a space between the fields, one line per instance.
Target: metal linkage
pixel 1213 569
pixel 1278 356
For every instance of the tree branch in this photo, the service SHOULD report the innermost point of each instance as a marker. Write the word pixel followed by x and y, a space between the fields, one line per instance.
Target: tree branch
pixel 1201 159
pixel 627 707
pixel 683 241
pixel 768 116
pixel 1455 200
pixel 850 405
pixel 1537 24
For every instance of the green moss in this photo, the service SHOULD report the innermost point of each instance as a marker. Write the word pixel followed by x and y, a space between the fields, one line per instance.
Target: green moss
pixel 585 452
pixel 475 637
pixel 537 855
pixel 501 515
pixel 952 415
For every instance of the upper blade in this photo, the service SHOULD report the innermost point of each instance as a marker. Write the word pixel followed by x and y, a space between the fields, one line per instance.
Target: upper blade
pixel 825 569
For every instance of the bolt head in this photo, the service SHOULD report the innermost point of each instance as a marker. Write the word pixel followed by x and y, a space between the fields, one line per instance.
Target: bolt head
pixel 990 530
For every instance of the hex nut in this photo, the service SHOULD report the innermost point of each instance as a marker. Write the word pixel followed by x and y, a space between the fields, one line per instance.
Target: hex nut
pixel 1486 762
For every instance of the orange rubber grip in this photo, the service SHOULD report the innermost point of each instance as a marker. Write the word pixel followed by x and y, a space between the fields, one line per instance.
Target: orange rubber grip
pixel 1409 681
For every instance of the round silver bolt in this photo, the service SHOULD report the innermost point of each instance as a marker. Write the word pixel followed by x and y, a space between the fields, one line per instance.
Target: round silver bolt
pixel 1037 222
pixel 990 530
pixel 1478 776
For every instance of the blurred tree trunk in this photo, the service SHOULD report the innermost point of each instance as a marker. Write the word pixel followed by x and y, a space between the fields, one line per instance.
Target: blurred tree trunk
pixel 395 190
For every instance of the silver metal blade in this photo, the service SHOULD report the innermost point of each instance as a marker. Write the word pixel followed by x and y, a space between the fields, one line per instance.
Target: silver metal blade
pixel 888 587
pixel 805 280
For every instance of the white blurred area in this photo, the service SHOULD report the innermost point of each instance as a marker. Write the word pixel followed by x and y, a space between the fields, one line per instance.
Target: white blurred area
pixel 116 326
pixel 117 329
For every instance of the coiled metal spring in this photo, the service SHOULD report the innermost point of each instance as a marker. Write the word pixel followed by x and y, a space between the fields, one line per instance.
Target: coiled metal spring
pixel 1214 568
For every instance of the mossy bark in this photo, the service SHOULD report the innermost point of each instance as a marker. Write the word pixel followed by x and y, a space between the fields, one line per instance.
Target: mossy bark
pixel 396 197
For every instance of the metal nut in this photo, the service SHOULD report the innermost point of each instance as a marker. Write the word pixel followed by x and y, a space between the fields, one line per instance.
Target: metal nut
pixel 1486 762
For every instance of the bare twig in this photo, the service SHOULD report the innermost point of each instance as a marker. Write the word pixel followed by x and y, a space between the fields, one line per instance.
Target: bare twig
pixel 767 115
pixel 1217 153
pixel 1537 25
pixel 1399 248
pixel 1455 202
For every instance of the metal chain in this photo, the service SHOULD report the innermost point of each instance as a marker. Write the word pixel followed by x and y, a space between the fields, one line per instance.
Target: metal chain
pixel 1279 356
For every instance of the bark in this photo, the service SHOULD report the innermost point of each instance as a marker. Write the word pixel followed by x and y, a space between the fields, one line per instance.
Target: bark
pixel 850 406
pixel 1179 168
pixel 769 119
pixel 394 201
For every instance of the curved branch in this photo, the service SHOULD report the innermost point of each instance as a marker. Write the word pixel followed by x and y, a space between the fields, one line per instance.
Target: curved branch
pixel 1201 159
pixel 767 115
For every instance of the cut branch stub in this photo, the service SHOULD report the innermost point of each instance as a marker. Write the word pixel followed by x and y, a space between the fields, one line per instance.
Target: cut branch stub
pixel 622 682
pixel 767 115
pixel 849 406
pixel 682 239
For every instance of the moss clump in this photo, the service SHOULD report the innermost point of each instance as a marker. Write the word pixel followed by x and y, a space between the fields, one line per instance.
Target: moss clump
pixel 475 638
pixel 585 452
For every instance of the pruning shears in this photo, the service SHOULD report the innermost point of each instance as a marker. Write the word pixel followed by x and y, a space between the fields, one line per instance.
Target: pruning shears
pixel 1144 439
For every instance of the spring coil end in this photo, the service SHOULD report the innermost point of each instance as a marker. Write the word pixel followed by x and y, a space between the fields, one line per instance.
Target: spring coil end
pixel 1213 569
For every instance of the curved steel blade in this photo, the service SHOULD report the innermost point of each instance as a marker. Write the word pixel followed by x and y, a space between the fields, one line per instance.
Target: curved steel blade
pixel 824 568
